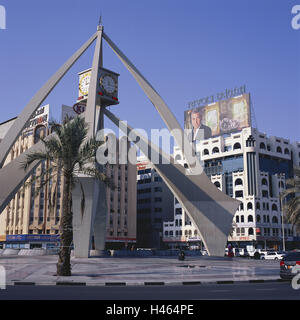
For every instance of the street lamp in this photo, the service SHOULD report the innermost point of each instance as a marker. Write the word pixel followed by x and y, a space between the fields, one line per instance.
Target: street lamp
pixel 282 175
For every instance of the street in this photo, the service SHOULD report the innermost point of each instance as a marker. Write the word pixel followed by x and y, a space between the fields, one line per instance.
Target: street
pixel 242 291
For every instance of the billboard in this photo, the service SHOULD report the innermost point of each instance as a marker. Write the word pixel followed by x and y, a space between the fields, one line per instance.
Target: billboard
pixel 40 117
pixel 222 117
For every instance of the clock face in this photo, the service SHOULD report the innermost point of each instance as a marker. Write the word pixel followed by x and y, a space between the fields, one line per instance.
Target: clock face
pixel 109 84
pixel 84 84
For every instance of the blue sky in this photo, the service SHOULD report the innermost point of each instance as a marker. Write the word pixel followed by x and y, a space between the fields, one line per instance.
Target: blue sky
pixel 186 49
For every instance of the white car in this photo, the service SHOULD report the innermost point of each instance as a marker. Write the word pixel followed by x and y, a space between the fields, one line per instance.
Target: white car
pixel 271 255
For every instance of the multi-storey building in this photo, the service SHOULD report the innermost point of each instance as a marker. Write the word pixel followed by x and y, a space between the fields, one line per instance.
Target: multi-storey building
pixel 155 204
pixel 121 204
pixel 252 168
pixel 28 221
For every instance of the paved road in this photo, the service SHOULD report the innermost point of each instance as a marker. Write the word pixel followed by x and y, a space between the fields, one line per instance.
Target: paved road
pixel 138 270
pixel 257 291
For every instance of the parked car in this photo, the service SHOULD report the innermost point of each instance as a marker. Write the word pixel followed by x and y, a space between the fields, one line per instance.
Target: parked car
pixel 288 263
pixel 244 252
pixel 270 255
pixel 256 253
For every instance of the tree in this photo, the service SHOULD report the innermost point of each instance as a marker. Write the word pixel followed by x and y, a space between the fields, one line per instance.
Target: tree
pixel 291 208
pixel 69 153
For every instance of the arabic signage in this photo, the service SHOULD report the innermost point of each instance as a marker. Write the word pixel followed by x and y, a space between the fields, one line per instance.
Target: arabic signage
pixel 223 95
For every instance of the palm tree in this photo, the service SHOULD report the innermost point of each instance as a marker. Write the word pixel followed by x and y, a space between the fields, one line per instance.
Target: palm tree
pixel 70 153
pixel 292 196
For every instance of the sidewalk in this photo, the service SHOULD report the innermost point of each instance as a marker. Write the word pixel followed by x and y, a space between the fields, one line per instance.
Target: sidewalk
pixel 40 270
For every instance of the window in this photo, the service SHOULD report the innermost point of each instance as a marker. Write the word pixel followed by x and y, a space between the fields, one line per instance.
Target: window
pixel 262 146
pixel 178 211
pixel 275 220
pixel 249 206
pixel 274 207
pixel 250 218
pixel 205 152
pixel 286 151
pixel 141 191
pixel 239 194
pixel 178 157
pixel 237 219
pixel 265 194
pixel 238 182
pixel 166 233
pixel 257 205
pixel 237 146
pixel 158 189
pixel 279 150
pixel 242 206
pixel 250 232
pixel 258 218
pixel 242 219
pixel 264 182
pixel 215 150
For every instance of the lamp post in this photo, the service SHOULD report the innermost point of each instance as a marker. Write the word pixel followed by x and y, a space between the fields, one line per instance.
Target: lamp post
pixel 281 204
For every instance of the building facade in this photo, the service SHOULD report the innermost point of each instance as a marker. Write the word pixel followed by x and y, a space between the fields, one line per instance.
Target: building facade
pixel 32 218
pixel 252 168
pixel 155 204
pixel 121 204
pixel 29 221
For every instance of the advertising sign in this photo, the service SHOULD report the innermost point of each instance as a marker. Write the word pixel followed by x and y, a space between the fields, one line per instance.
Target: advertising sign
pixel 41 116
pixel 32 237
pixel 222 117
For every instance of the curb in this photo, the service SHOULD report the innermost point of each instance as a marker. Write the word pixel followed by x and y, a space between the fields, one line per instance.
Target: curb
pixel 118 284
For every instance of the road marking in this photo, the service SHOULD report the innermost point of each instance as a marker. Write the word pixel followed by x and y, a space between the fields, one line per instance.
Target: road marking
pixel 265 289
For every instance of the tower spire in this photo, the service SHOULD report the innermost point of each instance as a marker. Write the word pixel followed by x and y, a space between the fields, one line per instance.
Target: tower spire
pixel 100 25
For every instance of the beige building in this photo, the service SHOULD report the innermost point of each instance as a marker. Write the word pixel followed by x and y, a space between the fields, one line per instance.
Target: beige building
pixel 121 205
pixel 30 221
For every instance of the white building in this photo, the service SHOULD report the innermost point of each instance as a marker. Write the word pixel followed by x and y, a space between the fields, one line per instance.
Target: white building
pixel 252 168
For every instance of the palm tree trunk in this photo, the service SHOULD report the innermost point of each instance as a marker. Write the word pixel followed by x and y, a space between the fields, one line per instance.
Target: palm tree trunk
pixel 66 231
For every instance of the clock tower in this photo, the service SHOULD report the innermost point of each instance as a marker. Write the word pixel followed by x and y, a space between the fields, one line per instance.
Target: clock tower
pixel 107 87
